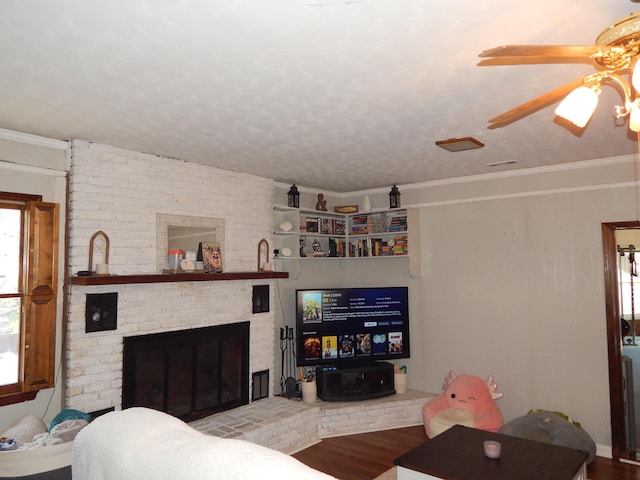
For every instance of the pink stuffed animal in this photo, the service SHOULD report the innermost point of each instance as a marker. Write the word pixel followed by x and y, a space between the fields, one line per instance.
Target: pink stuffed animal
pixel 467 400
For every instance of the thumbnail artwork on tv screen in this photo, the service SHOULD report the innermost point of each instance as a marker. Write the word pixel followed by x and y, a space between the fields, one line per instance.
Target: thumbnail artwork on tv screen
pixel 352 324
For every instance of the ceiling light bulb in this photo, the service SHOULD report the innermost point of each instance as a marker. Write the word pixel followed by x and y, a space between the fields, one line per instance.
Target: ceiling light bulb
pixel 579 105
pixel 634 118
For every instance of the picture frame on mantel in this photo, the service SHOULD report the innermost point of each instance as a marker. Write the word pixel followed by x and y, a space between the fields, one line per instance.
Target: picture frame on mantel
pixel 346 209
pixel 212 257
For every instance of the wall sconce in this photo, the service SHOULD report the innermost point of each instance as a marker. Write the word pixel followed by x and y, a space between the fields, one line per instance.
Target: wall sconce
pixel 394 197
pixel 293 197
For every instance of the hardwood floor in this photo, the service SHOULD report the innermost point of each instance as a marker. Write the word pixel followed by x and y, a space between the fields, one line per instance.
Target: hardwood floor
pixel 367 455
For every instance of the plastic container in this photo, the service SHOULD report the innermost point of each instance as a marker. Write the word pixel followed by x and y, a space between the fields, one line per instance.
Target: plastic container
pixel 174 257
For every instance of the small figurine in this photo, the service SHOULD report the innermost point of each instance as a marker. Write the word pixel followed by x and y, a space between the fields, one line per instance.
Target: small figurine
pixel 302 245
pixel 322 203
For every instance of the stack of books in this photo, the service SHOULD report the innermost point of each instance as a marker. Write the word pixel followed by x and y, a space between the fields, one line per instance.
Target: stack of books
pixel 400 245
pixel 332 226
pixel 325 226
pixel 398 224
pixel 359 225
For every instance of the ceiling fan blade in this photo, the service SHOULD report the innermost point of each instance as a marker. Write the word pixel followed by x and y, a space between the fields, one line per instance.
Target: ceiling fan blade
pixel 494 61
pixel 534 105
pixel 549 51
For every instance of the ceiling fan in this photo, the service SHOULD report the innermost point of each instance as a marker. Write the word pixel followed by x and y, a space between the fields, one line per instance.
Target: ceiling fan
pixel 614 54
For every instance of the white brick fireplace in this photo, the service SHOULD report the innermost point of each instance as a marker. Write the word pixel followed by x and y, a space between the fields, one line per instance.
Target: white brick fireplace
pixel 120 192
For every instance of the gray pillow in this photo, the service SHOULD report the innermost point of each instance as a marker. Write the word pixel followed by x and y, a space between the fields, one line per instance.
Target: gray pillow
pixel 548 427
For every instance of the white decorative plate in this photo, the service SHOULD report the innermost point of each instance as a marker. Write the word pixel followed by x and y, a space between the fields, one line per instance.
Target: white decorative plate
pixel 286 226
pixel 286 252
pixel 187 265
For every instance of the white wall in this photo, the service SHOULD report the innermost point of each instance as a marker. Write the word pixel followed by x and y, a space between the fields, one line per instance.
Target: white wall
pixel 513 284
pixel 37 169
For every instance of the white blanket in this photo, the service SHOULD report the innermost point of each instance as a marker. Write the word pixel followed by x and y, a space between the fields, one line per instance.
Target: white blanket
pixel 144 444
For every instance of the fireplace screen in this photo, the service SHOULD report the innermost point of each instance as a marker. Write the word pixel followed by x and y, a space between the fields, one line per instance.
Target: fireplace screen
pixel 188 374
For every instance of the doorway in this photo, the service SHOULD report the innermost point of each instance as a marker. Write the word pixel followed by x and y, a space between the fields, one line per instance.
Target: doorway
pixel 623 431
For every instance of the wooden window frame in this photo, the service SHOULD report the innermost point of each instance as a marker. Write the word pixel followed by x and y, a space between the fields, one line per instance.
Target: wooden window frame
pixel 39 292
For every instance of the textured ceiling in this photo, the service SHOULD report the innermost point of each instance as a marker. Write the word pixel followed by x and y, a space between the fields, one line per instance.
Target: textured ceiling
pixel 338 95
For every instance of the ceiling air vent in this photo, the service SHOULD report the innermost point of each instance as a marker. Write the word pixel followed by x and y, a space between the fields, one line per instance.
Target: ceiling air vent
pixel 460 144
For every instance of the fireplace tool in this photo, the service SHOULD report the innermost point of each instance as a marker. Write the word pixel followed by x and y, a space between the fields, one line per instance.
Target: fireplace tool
pixel 287 380
pixel 283 347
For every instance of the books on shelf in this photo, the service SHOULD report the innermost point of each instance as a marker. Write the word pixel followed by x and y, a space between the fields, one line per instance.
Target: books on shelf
pixel 374 234
pixel 400 245
pixel 359 224
pixel 398 223
pixel 379 247
pixel 322 225
pixel 378 223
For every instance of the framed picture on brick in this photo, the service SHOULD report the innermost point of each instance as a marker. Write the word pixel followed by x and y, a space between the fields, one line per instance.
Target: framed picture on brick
pixel 212 257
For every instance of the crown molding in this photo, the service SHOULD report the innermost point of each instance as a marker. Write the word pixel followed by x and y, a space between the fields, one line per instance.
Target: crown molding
pixel 525 172
pixel 483 177
pixel 5 165
pixel 33 139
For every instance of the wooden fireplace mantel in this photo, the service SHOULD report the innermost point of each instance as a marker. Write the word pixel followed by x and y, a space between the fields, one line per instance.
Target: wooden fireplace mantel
pixel 173 277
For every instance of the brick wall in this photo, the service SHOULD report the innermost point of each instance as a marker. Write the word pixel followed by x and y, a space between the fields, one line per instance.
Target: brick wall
pixel 120 192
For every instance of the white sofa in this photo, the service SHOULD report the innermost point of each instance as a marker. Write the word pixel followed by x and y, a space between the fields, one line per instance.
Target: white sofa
pixel 144 444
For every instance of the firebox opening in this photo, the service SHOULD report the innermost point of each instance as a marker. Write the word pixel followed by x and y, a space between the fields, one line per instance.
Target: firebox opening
pixel 189 373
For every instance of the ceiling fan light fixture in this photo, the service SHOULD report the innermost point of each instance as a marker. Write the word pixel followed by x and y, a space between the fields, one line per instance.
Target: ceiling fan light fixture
pixel 460 144
pixel 579 105
pixel 634 118
pixel 635 77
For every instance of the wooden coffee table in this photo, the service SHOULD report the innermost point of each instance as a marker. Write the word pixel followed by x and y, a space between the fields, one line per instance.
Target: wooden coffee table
pixel 458 453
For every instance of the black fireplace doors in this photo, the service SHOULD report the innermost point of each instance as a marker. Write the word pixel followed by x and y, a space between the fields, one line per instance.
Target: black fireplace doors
pixel 190 373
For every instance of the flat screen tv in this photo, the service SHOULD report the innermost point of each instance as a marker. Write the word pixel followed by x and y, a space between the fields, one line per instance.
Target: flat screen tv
pixel 351 325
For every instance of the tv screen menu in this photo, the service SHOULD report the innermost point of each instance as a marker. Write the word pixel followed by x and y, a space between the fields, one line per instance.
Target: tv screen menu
pixel 360 324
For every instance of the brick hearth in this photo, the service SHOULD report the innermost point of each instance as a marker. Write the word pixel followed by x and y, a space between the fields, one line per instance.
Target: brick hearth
pixel 292 425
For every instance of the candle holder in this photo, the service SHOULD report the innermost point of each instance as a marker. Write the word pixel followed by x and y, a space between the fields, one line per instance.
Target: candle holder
pixel 263 256
pixel 101 241
pixel 293 197
pixel 394 197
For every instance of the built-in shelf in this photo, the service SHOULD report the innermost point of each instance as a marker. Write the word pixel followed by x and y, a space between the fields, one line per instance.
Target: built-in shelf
pixel 377 234
pixel 173 277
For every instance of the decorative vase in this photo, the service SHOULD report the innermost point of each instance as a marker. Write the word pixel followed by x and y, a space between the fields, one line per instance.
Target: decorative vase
pixel 366 204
